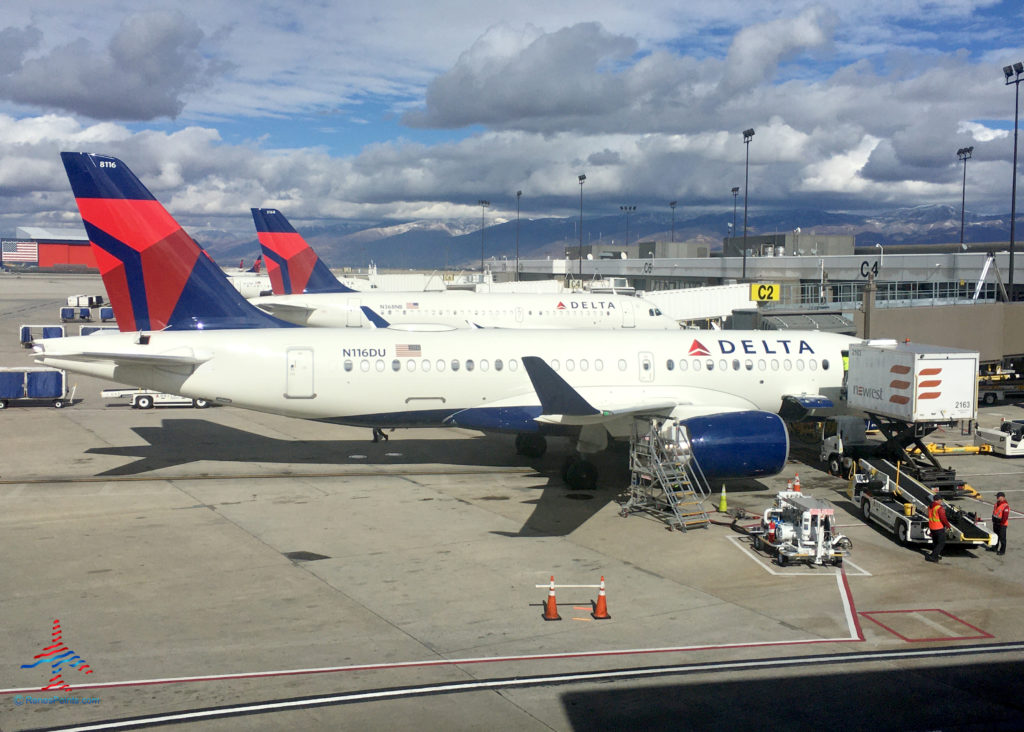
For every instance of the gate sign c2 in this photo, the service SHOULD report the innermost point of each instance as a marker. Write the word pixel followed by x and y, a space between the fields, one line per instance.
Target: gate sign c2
pixel 764 292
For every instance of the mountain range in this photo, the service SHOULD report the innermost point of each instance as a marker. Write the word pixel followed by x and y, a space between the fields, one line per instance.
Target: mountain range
pixel 457 244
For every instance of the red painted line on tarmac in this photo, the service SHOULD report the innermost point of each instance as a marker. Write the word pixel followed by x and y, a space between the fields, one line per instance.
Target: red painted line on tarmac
pixel 847 599
pixel 981 633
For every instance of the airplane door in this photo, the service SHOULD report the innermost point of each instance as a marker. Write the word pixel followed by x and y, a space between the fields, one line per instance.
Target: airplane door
pixel 355 314
pixel 628 315
pixel 299 379
pixel 646 366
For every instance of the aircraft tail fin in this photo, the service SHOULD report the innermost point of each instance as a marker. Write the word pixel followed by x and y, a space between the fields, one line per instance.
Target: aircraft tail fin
pixel 292 264
pixel 155 275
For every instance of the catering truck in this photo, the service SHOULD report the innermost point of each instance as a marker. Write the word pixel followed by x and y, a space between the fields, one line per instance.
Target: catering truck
pixel 909 390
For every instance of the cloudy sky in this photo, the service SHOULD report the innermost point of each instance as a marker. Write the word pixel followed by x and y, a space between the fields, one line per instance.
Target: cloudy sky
pixel 408 110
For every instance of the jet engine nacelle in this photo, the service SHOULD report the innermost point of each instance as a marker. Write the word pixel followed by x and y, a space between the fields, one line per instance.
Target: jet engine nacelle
pixel 738 444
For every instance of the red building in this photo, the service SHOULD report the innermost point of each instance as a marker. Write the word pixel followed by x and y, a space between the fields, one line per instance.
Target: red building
pixel 49 249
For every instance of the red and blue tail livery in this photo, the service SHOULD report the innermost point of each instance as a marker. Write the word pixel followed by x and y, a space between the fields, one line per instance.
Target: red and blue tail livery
pixel 156 276
pixel 293 266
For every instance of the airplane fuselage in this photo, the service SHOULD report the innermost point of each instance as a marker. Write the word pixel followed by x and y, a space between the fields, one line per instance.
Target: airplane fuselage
pixel 472 378
pixel 464 309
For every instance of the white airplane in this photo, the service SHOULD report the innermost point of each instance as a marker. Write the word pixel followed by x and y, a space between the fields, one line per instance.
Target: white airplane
pixel 197 337
pixel 306 293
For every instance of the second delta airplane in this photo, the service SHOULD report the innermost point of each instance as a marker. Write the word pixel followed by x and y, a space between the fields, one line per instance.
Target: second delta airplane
pixel 195 335
pixel 306 293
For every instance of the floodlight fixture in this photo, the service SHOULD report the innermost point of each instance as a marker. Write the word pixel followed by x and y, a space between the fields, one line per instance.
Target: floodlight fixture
pixel 672 205
pixel 627 210
pixel 748 134
pixel 581 177
pixel 964 154
pixel 483 210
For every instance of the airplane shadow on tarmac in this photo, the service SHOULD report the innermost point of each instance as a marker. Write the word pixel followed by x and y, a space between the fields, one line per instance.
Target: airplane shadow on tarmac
pixel 557 510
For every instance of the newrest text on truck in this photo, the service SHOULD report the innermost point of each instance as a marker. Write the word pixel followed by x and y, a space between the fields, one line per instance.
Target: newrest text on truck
pixel 909 390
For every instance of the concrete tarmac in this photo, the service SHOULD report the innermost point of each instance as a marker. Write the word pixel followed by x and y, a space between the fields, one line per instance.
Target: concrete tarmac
pixel 241 570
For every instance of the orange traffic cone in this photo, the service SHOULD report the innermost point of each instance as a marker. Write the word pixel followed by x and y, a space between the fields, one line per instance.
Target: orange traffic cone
pixel 601 608
pixel 796 483
pixel 551 607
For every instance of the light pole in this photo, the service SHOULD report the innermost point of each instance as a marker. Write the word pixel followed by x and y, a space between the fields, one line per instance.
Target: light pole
pixel 747 136
pixel 519 194
pixel 627 210
pixel 735 197
pixel 581 177
pixel 964 154
pixel 881 255
pixel 1014 71
pixel 483 209
pixel 672 205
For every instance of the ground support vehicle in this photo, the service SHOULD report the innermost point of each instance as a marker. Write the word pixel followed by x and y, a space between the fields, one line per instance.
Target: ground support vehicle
pixel 798 528
pixel 898 502
pixel 1007 441
pixel 909 390
pixel 27 384
pixel 147 399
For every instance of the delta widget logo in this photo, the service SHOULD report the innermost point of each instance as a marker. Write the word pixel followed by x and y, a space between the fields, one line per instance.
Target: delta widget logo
pixel 698 349
pixel 57 655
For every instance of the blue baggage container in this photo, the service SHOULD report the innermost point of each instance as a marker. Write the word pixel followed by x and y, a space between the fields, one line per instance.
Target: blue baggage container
pixel 53 331
pixel 12 384
pixel 106 313
pixel 67 314
pixel 26 335
pixel 44 384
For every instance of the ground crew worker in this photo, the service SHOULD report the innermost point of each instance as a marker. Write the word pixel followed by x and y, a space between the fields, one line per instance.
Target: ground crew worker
pixel 1000 520
pixel 937 524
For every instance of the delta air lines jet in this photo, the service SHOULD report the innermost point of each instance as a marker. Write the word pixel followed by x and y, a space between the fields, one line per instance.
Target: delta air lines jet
pixel 306 293
pixel 196 336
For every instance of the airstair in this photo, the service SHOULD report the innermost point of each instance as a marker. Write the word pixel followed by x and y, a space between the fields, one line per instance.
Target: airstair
pixel 665 478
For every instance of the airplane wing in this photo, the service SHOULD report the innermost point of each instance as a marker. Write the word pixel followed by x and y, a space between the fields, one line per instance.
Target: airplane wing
pixel 563 404
pixel 123 359
pixel 291 313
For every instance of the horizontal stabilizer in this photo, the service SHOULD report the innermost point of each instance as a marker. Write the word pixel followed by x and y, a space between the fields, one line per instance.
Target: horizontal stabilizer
pixel 376 320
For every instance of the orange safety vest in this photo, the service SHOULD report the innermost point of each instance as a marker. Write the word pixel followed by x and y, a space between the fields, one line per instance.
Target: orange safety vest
pixel 1001 514
pixel 934 519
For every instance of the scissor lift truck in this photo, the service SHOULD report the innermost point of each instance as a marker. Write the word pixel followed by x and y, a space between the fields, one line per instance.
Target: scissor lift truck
pixel 799 528
pixel 909 390
pixel 898 502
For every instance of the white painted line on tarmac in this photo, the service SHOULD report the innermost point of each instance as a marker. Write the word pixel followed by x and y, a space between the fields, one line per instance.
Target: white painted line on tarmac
pixel 767 565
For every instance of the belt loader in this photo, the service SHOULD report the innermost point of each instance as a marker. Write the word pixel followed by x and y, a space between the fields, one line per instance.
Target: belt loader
pixel 898 502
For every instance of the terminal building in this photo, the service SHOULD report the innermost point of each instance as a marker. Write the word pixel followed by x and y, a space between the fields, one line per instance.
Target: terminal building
pixel 948 294
pixel 56 249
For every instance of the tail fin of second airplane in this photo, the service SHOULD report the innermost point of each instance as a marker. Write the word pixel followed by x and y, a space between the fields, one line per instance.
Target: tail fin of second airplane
pixel 156 276
pixel 292 264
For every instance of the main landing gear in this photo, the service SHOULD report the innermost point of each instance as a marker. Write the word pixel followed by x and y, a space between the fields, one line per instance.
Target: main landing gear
pixel 579 473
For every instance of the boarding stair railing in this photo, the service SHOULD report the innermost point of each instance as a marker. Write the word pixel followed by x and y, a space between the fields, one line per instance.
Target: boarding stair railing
pixel 665 478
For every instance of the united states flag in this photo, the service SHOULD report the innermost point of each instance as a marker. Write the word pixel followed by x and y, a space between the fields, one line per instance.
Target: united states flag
pixel 20 251
pixel 408 350
pixel 412 306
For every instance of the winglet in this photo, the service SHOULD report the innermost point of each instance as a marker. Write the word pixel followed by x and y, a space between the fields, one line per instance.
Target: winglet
pixel 292 264
pixel 374 318
pixel 556 396
pixel 155 275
